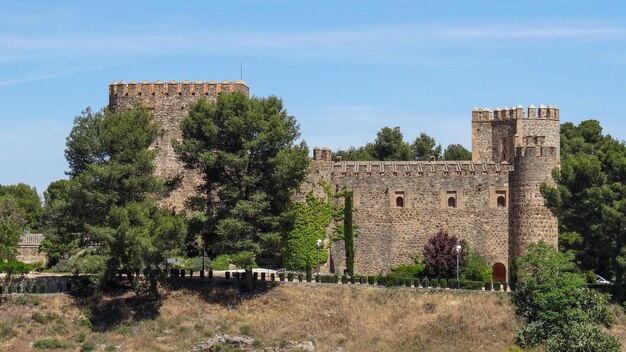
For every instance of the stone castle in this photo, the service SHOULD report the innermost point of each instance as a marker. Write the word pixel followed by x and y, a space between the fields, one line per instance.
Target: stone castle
pixel 493 201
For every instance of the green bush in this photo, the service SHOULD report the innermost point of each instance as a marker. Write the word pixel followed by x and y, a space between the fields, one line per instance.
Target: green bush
pixel 344 279
pixel 452 283
pixel 14 268
pixel 476 267
pixel 290 276
pixel 221 262
pixel 6 332
pixel 559 310
pixel 371 280
pixel 281 275
pixel 497 286
pixel 443 283
pixel 88 262
pixel 318 278
pixel 51 344
pixel 471 285
pixel 413 270
pixel 88 347
pixel 488 286
pixel 353 279
pixel 336 278
pixel 434 283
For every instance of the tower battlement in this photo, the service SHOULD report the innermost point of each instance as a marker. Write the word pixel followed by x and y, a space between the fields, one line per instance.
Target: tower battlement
pixel 543 112
pixel 172 88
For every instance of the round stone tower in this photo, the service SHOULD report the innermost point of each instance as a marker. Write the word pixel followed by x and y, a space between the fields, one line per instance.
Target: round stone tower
pixel 532 220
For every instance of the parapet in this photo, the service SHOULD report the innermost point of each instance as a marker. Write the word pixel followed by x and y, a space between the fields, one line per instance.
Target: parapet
pixel 322 154
pixel 171 88
pixel 544 112
pixel 535 151
pixel 418 168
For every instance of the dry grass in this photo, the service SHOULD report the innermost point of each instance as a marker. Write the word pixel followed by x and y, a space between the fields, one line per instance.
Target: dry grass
pixel 355 318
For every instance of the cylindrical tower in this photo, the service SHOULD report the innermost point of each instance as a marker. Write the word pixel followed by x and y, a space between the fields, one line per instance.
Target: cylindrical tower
pixel 532 220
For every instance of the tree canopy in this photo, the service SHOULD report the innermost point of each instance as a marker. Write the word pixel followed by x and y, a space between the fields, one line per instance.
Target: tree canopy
pixel 560 312
pixel 389 145
pixel 590 198
pixel 246 152
pixel 111 196
pixel 11 226
pixel 26 200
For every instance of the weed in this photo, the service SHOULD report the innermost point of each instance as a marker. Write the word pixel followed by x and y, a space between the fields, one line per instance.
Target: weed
pixel 244 329
pixel 6 332
pixel 44 318
pixel 123 329
pixel 88 347
pixel 51 344
pixel 81 337
pixel 110 348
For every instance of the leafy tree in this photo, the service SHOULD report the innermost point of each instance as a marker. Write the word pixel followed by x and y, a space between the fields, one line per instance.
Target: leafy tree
pixel 476 267
pixel 390 145
pixel 27 200
pixel 365 153
pixel 111 197
pixel 440 254
pixel 245 150
pixel 424 147
pixel 559 310
pixel 590 198
pixel 456 152
pixel 11 226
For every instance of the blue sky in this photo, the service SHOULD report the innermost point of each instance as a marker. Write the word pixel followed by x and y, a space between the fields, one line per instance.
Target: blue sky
pixel 345 69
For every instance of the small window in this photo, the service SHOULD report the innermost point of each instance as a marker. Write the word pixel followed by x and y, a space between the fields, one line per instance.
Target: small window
pixel 451 199
pixel 501 199
pixel 399 199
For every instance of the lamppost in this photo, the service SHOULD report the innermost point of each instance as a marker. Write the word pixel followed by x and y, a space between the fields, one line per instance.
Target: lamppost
pixel 318 243
pixel 458 252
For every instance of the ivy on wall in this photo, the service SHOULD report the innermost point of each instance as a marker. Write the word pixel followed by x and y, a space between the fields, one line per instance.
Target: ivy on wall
pixel 311 219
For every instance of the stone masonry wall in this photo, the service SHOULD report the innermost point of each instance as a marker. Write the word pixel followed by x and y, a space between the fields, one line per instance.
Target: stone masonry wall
pixel 390 235
pixel 169 102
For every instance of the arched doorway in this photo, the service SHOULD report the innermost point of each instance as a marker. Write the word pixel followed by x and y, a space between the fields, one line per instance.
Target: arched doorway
pixel 499 273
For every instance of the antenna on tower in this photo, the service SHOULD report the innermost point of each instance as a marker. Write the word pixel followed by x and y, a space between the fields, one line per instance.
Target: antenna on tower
pixel 240 71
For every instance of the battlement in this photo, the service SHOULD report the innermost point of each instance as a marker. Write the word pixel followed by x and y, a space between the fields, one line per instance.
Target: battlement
pixel 173 88
pixel 543 112
pixel 417 168
pixel 535 151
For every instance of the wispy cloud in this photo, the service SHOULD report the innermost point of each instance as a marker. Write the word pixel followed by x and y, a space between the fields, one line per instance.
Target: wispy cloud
pixel 368 41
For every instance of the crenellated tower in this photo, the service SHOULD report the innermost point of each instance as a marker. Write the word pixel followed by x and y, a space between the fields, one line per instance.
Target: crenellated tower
pixel 169 103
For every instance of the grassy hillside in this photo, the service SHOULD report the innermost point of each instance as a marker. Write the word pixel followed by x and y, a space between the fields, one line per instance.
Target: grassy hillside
pixel 354 318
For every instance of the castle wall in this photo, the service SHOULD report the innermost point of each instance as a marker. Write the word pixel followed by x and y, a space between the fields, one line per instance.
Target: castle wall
pixel 168 103
pixel 389 235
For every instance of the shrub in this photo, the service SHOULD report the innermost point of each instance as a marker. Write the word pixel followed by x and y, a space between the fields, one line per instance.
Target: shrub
pixel 300 277
pixel 476 267
pixel 560 311
pixel 344 279
pixel 15 268
pixel 221 262
pixel 51 344
pixel 471 285
pixel 318 278
pixel 488 286
pixel 353 279
pixel 88 347
pixel 309 271
pixel 290 276
pixel 371 280
pixel 443 283
pixel 408 282
pixel 413 270
pixel 336 278
pixel 6 332
pixel 440 254
pixel 497 286
pixel 434 283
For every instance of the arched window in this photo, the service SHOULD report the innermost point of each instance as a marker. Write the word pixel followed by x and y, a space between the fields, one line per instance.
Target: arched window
pixel 501 202
pixel 452 202
pixel 400 202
